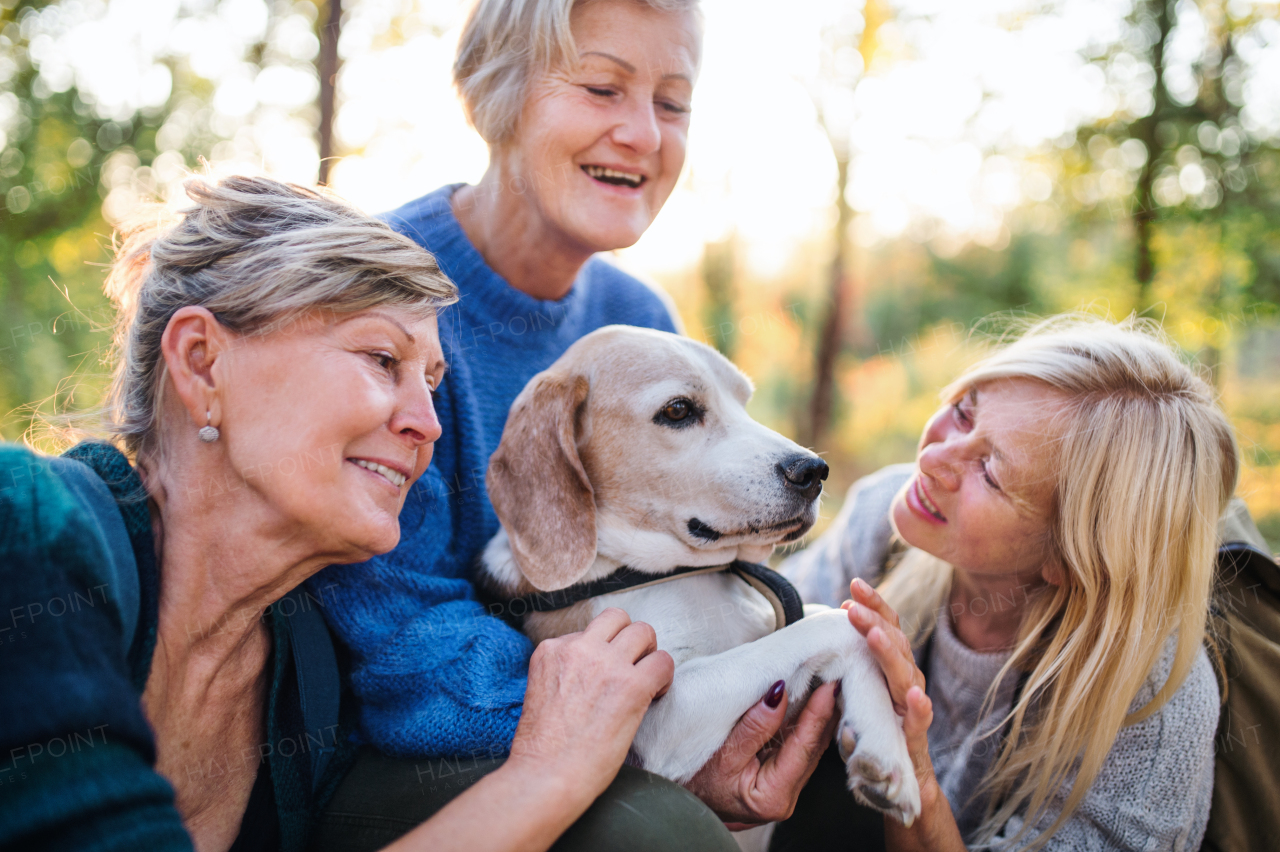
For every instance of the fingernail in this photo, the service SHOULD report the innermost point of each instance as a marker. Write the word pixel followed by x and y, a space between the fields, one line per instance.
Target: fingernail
pixel 773 697
pixel 862 584
pixel 839 688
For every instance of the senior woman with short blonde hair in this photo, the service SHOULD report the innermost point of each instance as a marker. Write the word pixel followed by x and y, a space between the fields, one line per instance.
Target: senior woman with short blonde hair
pixel 585 106
pixel 166 686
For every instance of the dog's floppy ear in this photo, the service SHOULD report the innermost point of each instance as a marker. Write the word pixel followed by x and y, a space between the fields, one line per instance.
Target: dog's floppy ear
pixel 538 486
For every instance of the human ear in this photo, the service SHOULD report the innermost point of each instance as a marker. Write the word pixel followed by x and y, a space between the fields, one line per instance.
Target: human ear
pixel 191 345
pixel 1054 572
pixel 538 486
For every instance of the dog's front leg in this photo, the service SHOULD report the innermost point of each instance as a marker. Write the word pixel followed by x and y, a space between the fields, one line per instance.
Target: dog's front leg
pixel 708 696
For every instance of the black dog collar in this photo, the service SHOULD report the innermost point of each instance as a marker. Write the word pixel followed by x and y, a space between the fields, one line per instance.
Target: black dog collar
pixel 780 593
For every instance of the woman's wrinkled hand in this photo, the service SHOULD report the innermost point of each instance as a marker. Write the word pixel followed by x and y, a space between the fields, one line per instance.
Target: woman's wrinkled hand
pixel 587 694
pixel 744 790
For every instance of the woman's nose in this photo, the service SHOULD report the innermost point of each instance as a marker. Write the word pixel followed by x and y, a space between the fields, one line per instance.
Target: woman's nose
pixel 415 416
pixel 941 461
pixel 638 129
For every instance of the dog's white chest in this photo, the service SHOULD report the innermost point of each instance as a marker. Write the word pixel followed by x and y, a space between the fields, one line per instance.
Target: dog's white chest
pixel 697 616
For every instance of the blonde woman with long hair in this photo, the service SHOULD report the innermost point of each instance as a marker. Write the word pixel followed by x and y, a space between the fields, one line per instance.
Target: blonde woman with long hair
pixel 1044 632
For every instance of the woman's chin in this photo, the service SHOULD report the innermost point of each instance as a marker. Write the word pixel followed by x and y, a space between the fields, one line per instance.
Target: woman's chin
pixel 607 229
pixel 375 536
pixel 383 538
pixel 610 239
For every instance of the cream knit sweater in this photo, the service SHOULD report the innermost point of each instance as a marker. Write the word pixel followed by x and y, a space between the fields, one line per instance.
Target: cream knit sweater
pixel 1154 790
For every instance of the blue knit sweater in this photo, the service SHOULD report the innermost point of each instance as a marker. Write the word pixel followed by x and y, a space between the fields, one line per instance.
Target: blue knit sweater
pixel 436 674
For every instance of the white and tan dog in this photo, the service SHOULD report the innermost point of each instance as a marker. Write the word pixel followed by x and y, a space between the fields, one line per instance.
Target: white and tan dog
pixel 634 449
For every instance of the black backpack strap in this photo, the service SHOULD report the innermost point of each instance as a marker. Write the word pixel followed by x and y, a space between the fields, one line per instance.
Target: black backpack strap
pixel 776 588
pixel 319 682
pixel 102 514
pixel 1235 557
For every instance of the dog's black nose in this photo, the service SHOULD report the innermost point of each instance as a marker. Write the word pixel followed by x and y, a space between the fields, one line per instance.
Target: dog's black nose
pixel 804 474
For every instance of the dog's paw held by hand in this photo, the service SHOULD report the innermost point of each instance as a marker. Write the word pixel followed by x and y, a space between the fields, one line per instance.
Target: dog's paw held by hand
pixel 881 775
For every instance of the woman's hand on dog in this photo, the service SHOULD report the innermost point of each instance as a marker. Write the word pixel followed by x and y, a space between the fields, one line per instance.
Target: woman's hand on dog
pixel 936 827
pixel 587 694
pixel 746 791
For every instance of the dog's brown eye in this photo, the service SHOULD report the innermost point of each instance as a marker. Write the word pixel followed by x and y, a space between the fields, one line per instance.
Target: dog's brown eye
pixel 677 410
pixel 679 413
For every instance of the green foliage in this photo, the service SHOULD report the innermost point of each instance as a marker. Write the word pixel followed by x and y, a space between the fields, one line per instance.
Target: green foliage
pixel 51 228
pixel 1177 174
pixel 976 283
pixel 68 168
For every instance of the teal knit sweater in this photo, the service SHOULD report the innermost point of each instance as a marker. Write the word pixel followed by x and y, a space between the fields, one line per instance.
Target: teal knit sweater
pixel 76 752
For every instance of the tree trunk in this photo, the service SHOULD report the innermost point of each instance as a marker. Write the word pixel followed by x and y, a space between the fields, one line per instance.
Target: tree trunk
pixel 1214 102
pixel 327 64
pixel 833 327
pixel 1144 212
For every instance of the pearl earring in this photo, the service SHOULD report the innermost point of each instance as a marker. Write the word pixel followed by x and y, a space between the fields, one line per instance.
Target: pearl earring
pixel 208 432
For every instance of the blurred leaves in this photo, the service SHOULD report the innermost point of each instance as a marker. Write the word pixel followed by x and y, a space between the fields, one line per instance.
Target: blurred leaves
pixel 51 226
pixel 98 114
pixel 1177 150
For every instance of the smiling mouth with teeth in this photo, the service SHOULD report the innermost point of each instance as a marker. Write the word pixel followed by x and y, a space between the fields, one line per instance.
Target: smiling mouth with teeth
pixel 395 477
pixel 614 177
pixel 927 503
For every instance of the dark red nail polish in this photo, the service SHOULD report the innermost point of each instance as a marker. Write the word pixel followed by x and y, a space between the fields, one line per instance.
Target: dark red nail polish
pixel 773 697
pixel 839 688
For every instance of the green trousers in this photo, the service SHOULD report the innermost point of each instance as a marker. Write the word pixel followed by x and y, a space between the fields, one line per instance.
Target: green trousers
pixel 383 798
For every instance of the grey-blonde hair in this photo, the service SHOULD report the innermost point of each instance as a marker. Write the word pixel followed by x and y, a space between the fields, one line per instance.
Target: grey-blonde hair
pixel 507 43
pixel 1147 463
pixel 256 253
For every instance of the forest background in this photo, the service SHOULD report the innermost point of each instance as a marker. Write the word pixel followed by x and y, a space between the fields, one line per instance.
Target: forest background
pixel 875 188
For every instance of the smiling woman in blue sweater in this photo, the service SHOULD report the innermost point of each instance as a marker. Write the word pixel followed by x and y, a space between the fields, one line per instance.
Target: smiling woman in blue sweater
pixel 585 106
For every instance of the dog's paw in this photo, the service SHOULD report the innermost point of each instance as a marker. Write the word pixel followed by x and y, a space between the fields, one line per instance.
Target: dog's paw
pixel 880 773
